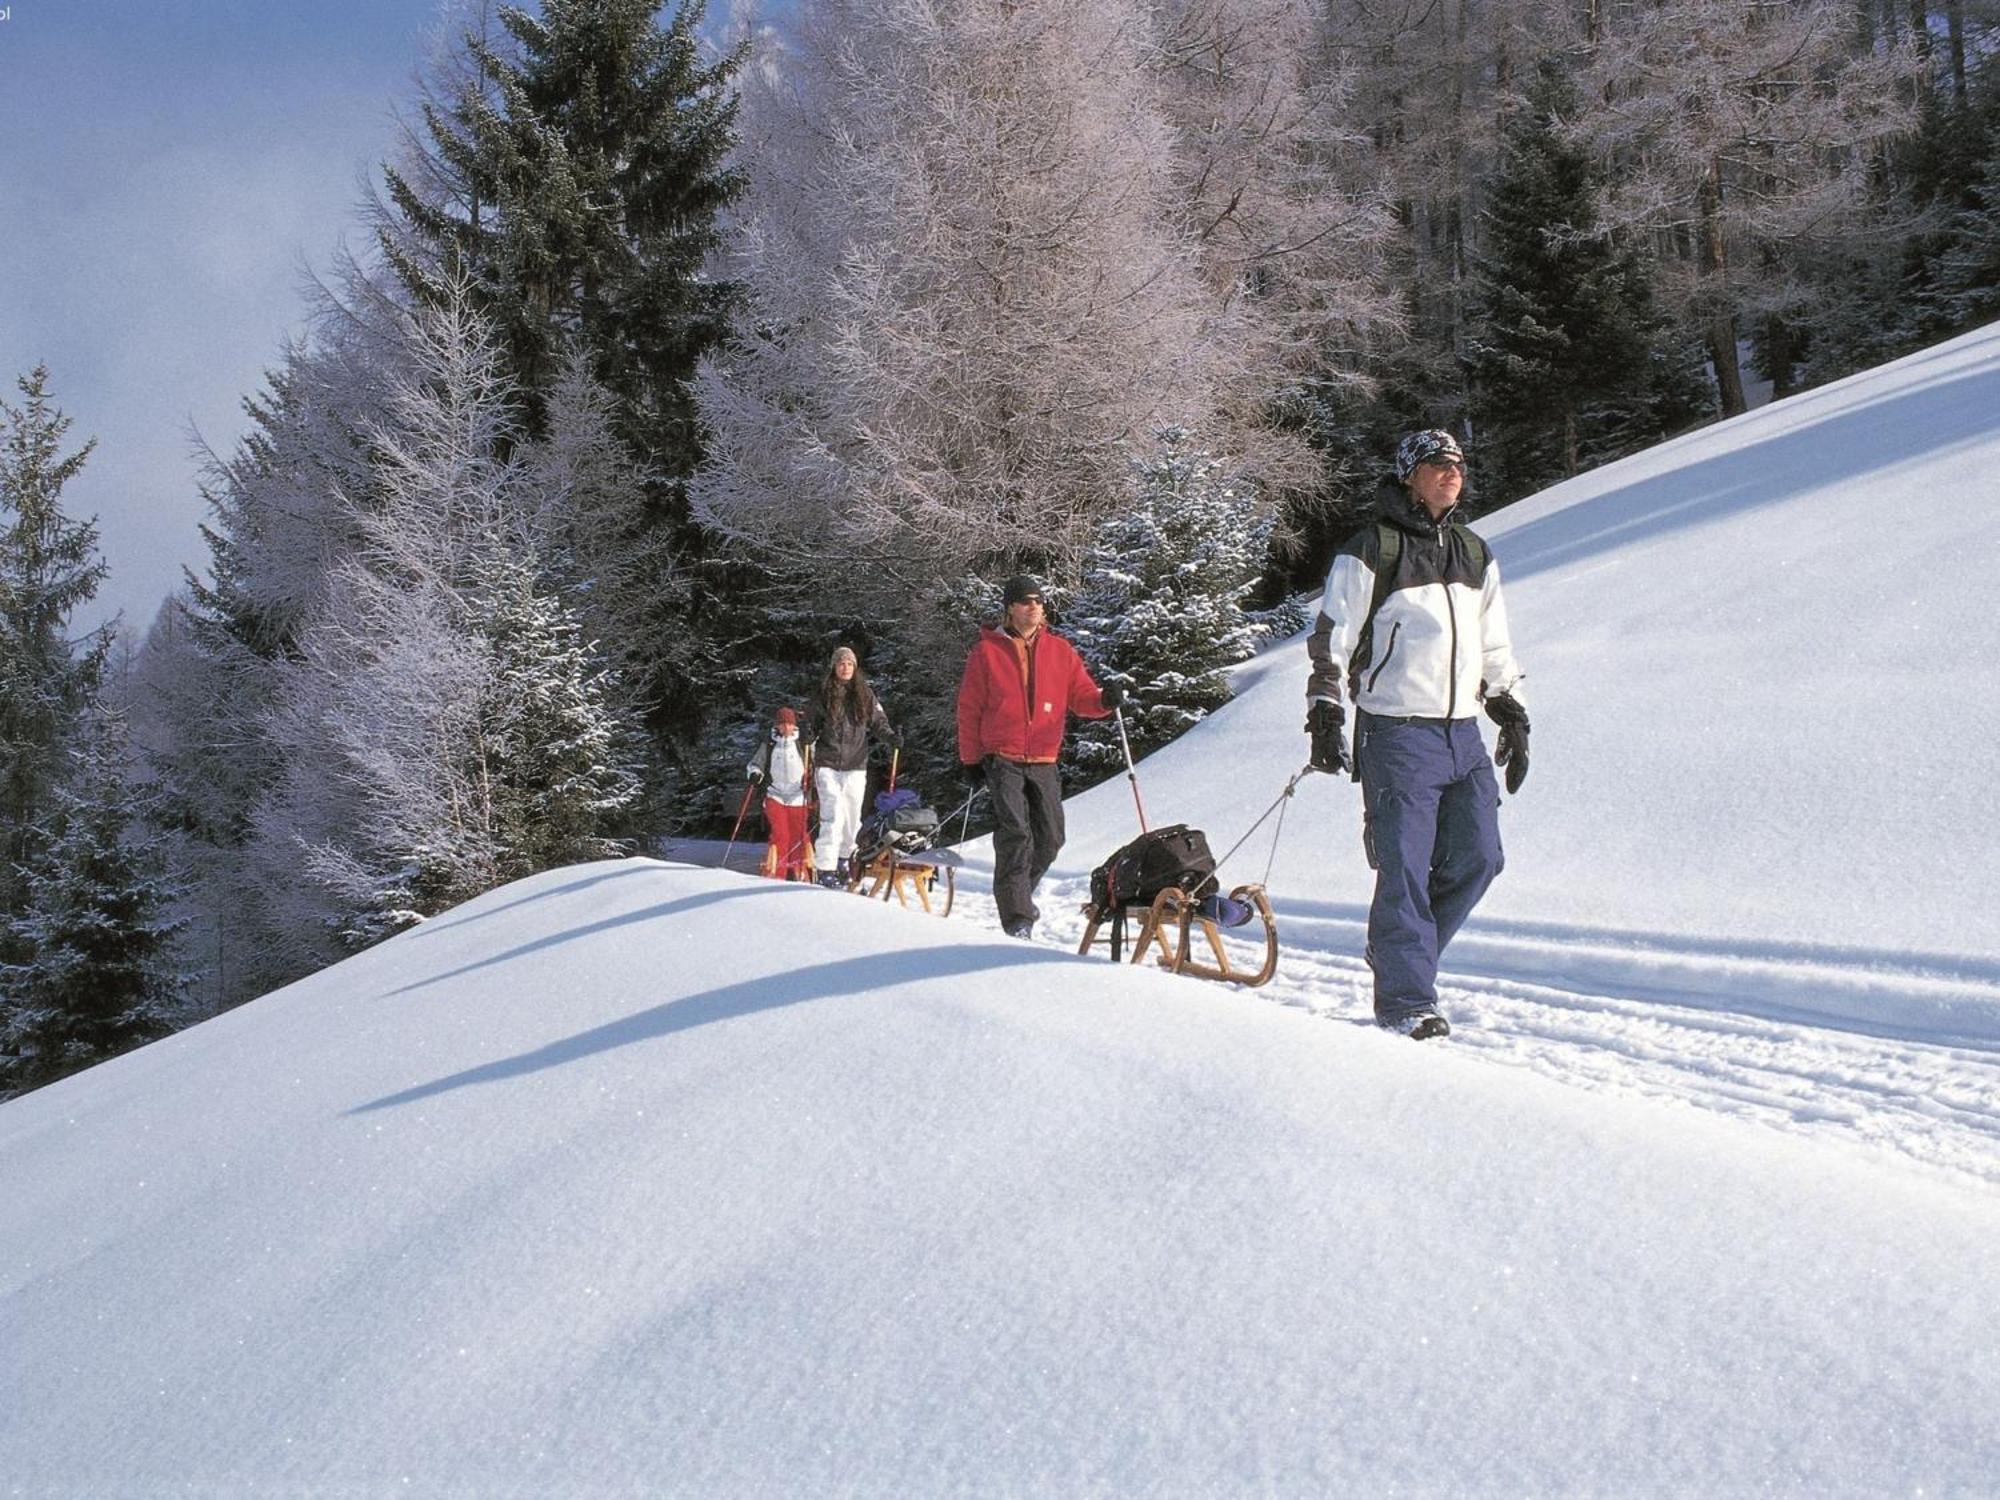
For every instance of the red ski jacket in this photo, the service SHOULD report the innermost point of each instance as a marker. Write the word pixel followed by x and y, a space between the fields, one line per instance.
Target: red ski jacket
pixel 1016 696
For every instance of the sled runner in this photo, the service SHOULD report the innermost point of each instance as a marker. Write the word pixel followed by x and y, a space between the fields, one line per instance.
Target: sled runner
pixel 1164 882
pixel 894 855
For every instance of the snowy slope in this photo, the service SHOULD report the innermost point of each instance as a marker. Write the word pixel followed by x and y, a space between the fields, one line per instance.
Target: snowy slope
pixel 1752 868
pixel 650 1179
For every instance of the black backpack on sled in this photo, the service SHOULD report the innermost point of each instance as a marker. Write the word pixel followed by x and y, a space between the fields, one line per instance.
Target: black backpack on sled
pixel 1176 855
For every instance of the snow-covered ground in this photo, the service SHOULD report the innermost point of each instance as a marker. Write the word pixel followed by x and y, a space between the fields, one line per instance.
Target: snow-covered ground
pixel 648 1178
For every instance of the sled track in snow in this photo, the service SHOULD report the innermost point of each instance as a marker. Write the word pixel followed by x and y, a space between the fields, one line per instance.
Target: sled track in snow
pixel 1845 1050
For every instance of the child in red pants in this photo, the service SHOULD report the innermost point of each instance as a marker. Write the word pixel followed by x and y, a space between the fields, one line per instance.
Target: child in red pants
pixel 779 766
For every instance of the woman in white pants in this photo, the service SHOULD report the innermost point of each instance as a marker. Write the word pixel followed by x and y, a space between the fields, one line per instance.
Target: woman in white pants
pixel 845 716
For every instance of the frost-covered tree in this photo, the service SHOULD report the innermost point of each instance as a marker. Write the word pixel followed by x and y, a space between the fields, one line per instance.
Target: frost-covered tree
pixel 1740 131
pixel 969 282
pixel 92 970
pixel 363 536
pixel 634 591
pixel 441 727
pixel 49 568
pixel 1271 173
pixel 558 760
pixel 1160 609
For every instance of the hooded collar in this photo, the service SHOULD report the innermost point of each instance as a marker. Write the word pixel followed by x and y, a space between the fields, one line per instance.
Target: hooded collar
pixel 1394 503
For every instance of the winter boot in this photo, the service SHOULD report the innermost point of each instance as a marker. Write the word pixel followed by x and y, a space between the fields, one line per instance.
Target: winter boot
pixel 1419 1026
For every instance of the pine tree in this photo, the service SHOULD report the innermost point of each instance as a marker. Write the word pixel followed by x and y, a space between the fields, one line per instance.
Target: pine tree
pixel 49 568
pixel 1561 358
pixel 92 972
pixel 575 177
pixel 577 182
pixel 1160 609
pixel 1965 272
pixel 559 759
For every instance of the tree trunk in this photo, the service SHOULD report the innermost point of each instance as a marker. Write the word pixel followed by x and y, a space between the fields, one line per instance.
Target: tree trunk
pixel 1920 32
pixel 1954 18
pixel 1714 264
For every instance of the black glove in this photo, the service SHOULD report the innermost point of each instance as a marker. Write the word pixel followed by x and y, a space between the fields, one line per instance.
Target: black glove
pixel 974 772
pixel 1324 722
pixel 756 778
pixel 1113 695
pixel 1512 751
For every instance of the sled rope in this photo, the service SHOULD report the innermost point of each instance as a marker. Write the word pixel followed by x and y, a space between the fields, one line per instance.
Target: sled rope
pixel 1277 807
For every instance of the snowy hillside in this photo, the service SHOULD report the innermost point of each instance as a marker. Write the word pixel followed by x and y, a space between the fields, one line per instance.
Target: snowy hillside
pixel 654 1179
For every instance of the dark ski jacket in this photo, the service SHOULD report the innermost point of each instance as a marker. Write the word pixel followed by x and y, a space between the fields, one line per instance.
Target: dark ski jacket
pixel 840 744
pixel 1016 696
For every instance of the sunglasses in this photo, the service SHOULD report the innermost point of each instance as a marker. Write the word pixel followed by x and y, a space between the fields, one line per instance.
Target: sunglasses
pixel 1445 463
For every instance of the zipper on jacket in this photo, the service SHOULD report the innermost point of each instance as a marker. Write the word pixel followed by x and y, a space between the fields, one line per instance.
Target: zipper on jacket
pixel 1383 665
pixel 1451 609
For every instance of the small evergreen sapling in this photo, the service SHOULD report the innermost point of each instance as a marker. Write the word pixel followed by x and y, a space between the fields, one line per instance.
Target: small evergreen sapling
pixel 1160 609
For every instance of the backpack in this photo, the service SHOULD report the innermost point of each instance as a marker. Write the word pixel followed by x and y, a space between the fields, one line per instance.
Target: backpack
pixel 901 821
pixel 1176 855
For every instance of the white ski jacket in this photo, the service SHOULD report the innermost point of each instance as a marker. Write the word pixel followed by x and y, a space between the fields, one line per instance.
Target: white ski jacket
pixel 1439 645
pixel 783 767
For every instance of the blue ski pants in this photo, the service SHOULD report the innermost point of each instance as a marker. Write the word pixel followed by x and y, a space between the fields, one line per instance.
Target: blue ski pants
pixel 1432 828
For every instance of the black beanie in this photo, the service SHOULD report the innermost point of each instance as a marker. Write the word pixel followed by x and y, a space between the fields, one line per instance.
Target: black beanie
pixel 1020 587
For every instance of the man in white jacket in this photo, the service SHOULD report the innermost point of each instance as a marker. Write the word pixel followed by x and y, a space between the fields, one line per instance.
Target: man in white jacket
pixel 1412 630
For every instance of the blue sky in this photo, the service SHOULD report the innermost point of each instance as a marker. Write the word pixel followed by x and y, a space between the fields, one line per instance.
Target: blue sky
pixel 171 171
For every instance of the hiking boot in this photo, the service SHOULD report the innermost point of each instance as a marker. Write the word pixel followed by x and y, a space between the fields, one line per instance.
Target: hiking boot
pixel 833 880
pixel 1419 1025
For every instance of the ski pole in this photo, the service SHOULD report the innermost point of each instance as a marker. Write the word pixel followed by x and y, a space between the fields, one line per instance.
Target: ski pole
pixel 963 811
pixel 741 813
pixel 1131 771
pixel 895 756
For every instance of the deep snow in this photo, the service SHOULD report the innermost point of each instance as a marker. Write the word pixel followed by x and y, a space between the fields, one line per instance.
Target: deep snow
pixel 648 1178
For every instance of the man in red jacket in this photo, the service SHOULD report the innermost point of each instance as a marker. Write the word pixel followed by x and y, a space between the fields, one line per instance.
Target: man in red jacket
pixel 1021 684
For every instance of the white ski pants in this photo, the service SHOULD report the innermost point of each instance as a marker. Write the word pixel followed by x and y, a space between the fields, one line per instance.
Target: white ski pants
pixel 840 798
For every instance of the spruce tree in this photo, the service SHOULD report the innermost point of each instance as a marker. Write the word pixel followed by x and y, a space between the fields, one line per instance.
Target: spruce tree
pixel 1561 357
pixel 591 169
pixel 1160 609
pixel 49 568
pixel 1964 286
pixel 91 967
pixel 576 179
pixel 558 758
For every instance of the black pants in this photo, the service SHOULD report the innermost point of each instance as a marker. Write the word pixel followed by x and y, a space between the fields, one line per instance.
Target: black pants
pixel 1027 833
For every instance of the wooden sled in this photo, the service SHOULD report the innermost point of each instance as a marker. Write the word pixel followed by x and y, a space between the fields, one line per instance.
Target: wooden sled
pixel 908 875
pixel 1169 925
